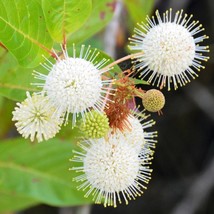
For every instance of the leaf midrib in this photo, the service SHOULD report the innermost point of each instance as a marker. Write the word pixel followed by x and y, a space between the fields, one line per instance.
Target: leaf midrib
pixel 63 19
pixel 24 34
pixel 5 85
pixel 33 172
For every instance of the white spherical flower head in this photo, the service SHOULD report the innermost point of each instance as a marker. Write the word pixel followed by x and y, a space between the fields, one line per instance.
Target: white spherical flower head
pixel 135 134
pixel 118 165
pixel 161 53
pixel 35 119
pixel 138 134
pixel 74 84
pixel 170 50
pixel 113 169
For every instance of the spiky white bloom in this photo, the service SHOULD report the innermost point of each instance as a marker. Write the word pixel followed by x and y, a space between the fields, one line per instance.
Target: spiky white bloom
pixel 35 119
pixel 74 84
pixel 170 49
pixel 112 169
pixel 115 167
pixel 137 134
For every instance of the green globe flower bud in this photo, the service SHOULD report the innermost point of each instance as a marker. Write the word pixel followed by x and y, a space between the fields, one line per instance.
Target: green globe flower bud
pixel 96 125
pixel 153 100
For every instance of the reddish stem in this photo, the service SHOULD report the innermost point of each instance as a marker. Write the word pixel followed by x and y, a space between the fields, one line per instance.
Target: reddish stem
pixel 3 46
pixel 64 42
pixel 131 56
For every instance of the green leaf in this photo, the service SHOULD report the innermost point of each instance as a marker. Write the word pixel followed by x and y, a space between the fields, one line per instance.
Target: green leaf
pixel 39 171
pixel 139 9
pixel 23 31
pixel 13 202
pixel 139 81
pixel 102 13
pixel 64 17
pixel 14 80
pixel 115 69
pixel 6 107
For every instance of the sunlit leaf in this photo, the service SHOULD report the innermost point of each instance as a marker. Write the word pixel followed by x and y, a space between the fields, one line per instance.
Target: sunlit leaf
pixel 13 202
pixel 14 80
pixel 23 31
pixel 139 9
pixel 102 13
pixel 40 171
pixel 64 17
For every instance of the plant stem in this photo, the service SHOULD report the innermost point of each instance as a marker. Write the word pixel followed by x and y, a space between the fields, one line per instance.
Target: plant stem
pixel 1 45
pixel 131 56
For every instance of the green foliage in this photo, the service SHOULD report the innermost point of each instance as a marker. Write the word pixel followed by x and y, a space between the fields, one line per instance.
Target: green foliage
pixel 13 201
pixel 139 9
pixel 23 31
pixel 40 171
pixel 14 80
pixel 6 107
pixel 139 81
pixel 64 17
pixel 102 12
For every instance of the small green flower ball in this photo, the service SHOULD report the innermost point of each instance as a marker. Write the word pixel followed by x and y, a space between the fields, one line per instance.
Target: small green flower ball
pixel 96 125
pixel 153 100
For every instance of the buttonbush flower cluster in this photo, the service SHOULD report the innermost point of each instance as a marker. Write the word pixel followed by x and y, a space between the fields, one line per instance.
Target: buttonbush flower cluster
pixel 116 148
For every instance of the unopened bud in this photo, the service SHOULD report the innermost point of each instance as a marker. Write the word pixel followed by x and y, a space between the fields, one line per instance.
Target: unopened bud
pixel 96 125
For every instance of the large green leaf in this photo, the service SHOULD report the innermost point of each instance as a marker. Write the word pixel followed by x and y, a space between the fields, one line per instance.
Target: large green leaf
pixel 102 13
pixel 64 17
pixel 14 202
pixel 39 171
pixel 23 31
pixel 139 9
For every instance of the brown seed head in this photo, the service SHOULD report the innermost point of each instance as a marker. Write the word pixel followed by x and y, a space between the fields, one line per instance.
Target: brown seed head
pixel 153 100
